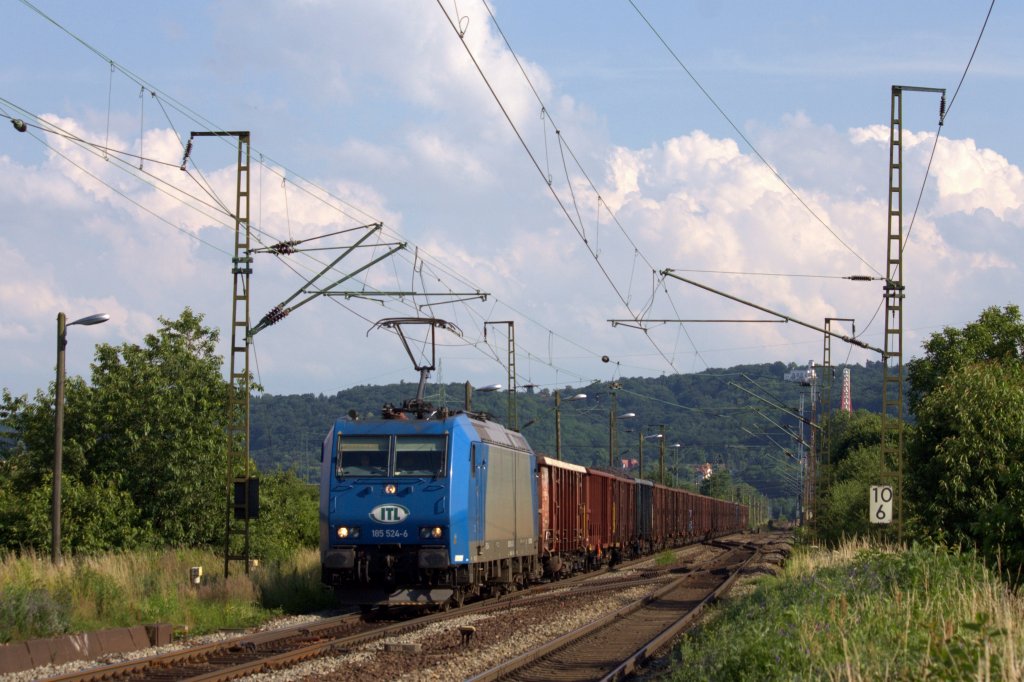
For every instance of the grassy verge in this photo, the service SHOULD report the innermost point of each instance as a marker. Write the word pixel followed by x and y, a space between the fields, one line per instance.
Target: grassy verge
pixel 38 599
pixel 864 613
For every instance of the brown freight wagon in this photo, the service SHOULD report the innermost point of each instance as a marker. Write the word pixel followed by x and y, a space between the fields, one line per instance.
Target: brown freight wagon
pixel 566 546
pixel 611 521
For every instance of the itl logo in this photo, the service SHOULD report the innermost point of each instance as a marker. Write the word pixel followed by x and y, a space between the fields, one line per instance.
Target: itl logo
pixel 389 513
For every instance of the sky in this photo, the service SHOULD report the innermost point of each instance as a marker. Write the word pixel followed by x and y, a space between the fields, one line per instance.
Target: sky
pixel 558 157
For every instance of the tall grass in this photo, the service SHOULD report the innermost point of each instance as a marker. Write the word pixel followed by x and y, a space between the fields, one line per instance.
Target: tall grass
pixel 38 599
pixel 865 612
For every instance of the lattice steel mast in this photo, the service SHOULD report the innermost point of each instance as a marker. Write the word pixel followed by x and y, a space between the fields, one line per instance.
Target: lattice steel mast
pixel 892 358
pixel 240 506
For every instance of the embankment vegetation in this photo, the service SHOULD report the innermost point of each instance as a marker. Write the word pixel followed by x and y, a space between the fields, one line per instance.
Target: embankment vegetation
pixel 864 611
pixel 121 589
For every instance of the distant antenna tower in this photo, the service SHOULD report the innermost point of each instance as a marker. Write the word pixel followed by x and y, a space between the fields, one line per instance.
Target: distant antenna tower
pixel 845 405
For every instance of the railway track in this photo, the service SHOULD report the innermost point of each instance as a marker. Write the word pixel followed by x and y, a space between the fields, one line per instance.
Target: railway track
pixel 612 647
pixel 377 647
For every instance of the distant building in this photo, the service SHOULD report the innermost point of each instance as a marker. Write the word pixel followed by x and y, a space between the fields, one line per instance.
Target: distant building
pixel 630 463
pixel 703 472
pixel 805 376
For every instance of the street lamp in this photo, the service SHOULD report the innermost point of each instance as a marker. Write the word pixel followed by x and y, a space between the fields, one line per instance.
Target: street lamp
pixel 490 388
pixel 613 432
pixel 640 449
pixel 58 437
pixel 675 462
pixel 558 420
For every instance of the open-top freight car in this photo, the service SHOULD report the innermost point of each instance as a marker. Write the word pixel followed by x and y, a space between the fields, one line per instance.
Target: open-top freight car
pixel 590 517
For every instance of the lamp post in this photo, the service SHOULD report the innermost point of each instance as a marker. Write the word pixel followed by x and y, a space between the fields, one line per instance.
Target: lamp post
pixel 483 389
pixel 675 462
pixel 613 432
pixel 58 437
pixel 661 455
pixel 640 448
pixel 558 420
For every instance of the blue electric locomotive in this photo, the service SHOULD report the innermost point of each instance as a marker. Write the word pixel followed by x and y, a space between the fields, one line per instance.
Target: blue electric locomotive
pixel 427 508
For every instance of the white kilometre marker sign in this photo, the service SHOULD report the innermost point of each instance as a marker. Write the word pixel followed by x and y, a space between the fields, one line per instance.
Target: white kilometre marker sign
pixel 880 504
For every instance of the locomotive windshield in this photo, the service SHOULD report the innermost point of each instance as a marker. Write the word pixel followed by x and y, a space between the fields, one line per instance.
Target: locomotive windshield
pixel 363 455
pixel 378 456
pixel 419 456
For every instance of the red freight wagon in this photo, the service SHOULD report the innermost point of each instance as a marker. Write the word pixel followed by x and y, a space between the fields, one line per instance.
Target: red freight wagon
pixel 624 499
pixel 563 515
pixel 670 518
pixel 611 521
pixel 644 514
pixel 702 516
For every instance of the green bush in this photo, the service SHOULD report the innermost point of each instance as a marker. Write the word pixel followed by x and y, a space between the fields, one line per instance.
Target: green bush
pixel 30 612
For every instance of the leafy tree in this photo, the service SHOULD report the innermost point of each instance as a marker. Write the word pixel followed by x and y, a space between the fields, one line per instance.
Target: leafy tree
pixel 143 448
pixel 719 484
pixel 852 464
pixel 967 461
pixel 843 503
pixel 159 411
pixel 996 335
pixel 851 431
pixel 29 451
pixel 94 517
pixel 96 513
pixel 289 516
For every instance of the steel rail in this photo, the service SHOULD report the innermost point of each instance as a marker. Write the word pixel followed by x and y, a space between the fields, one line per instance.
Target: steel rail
pixel 647 650
pixel 543 651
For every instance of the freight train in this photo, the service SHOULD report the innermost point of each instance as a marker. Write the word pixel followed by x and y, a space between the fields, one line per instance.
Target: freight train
pixel 431 507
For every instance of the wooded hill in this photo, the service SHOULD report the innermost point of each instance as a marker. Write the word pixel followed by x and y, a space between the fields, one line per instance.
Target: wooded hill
pixel 743 419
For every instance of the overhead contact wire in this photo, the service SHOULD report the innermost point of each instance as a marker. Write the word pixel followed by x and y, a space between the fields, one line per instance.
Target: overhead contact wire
pixel 750 144
pixel 323 195
pixel 942 120
pixel 536 163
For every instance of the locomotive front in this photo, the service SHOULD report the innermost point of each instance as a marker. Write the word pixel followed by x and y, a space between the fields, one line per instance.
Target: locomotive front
pixel 386 532
pixel 422 506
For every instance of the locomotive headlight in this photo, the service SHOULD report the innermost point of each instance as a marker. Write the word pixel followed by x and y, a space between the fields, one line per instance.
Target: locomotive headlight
pixel 431 532
pixel 390 489
pixel 345 532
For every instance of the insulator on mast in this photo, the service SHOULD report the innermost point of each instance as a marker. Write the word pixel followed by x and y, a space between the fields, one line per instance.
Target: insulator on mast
pixel 188 150
pixel 942 108
pixel 276 314
pixel 283 248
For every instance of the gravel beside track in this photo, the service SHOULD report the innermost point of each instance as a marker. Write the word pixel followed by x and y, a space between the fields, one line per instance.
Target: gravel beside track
pixel 49 671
